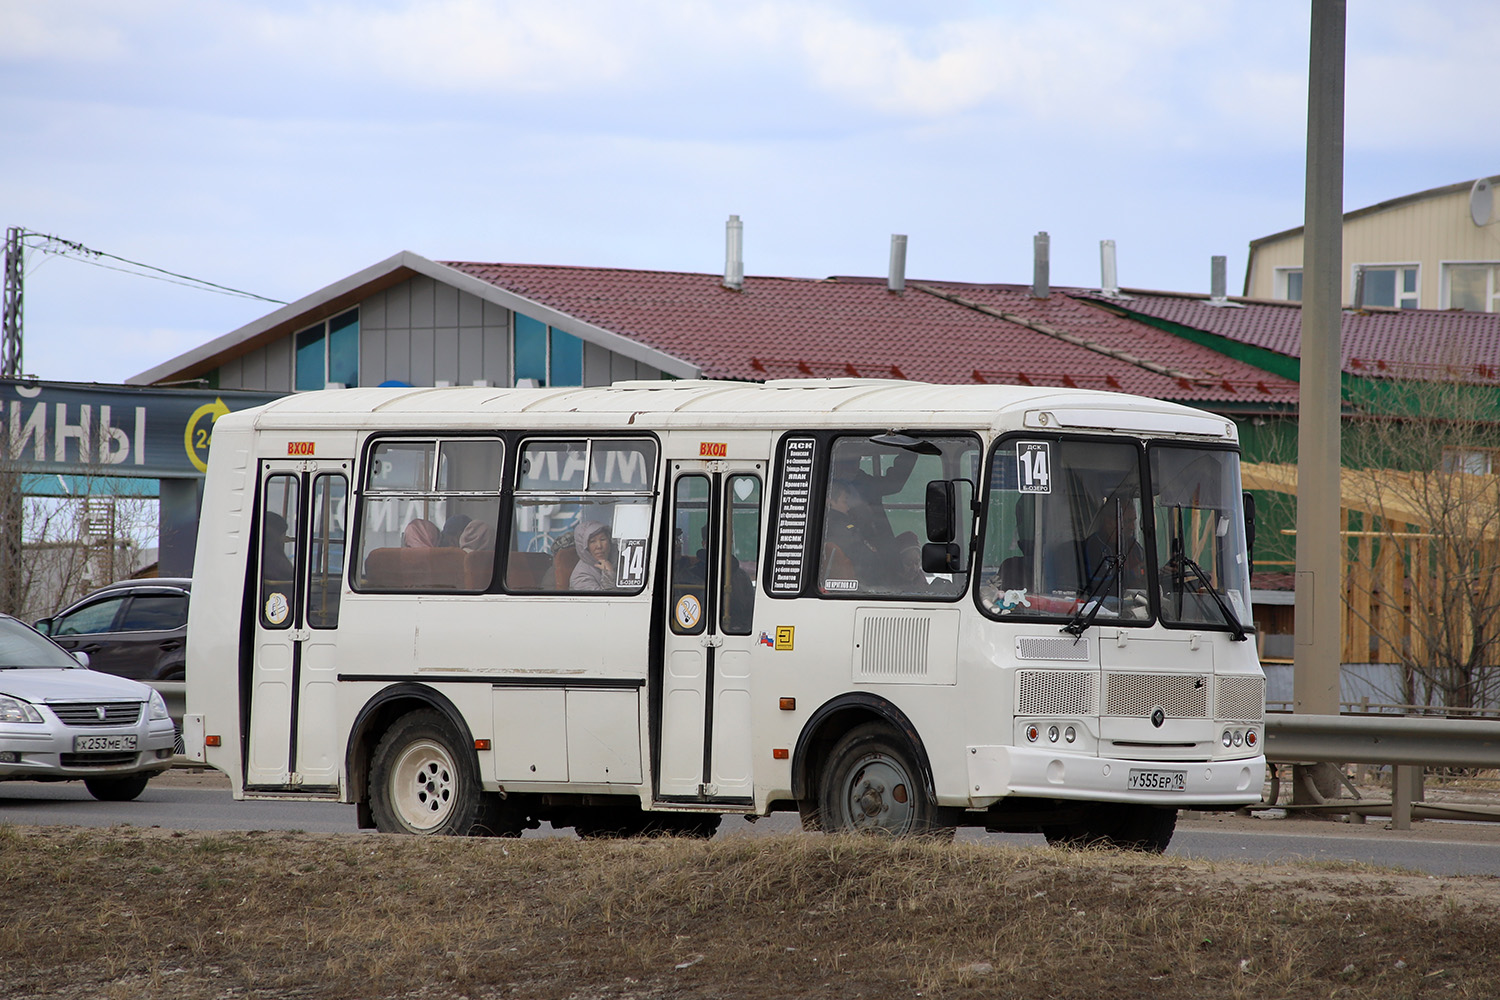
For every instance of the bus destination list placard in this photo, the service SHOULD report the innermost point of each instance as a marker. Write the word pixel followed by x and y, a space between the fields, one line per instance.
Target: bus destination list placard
pixel 791 522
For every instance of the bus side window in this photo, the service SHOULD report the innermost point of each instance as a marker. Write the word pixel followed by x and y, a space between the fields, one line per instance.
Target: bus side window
pixel 326 579
pixel 741 555
pixel 278 546
pixel 689 554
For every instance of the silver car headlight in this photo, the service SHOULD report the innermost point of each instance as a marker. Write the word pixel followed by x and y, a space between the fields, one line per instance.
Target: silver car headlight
pixel 16 710
pixel 158 705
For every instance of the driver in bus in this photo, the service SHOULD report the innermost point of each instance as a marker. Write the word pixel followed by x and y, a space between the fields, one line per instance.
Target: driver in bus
pixel 1116 535
pixel 597 558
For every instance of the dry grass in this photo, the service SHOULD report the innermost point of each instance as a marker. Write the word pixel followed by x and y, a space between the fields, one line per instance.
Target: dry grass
pixel 142 913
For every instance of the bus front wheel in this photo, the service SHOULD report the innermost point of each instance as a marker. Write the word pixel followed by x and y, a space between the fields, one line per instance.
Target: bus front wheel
pixel 871 784
pixel 422 779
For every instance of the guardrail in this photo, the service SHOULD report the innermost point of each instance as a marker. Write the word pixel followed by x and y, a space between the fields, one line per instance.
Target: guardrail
pixel 1404 743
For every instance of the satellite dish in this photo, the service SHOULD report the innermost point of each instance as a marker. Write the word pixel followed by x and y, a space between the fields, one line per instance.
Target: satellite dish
pixel 1481 201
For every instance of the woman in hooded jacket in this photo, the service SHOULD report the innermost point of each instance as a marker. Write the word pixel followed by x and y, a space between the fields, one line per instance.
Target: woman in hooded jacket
pixel 596 557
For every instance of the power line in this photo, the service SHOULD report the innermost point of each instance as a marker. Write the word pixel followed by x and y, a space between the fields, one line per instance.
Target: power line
pixel 77 251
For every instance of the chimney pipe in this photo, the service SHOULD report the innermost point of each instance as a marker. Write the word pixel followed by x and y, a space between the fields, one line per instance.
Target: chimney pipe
pixel 1041 281
pixel 896 280
pixel 1109 280
pixel 734 253
pixel 1216 281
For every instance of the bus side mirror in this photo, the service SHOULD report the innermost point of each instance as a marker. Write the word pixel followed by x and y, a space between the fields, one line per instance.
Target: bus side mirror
pixel 941 553
pixel 1249 501
pixel 43 625
pixel 941 557
pixel 941 503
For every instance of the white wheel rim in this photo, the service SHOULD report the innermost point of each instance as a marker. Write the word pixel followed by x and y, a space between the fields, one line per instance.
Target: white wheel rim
pixel 424 784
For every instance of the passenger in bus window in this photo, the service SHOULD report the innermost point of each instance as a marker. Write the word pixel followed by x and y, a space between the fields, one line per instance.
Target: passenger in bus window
pixel 596 557
pixel 420 533
pixel 477 536
pixel 274 564
pixel 453 530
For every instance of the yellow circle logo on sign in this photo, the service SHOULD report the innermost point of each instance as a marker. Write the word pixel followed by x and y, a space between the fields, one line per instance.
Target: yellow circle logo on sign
pixel 200 431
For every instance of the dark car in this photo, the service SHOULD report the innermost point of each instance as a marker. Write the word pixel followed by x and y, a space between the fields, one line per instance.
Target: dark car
pixel 133 628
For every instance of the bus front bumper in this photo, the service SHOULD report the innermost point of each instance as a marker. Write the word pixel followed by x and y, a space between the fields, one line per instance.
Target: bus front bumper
pixel 996 772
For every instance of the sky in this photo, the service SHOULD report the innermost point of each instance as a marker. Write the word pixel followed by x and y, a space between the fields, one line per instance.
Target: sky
pixel 276 147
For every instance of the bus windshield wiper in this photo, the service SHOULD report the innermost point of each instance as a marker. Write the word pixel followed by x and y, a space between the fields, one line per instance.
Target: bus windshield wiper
pixel 1186 562
pixel 1107 570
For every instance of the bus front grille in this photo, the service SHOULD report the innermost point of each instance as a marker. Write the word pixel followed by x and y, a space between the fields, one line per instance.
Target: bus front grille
pixel 1241 698
pixel 1055 692
pixel 1181 696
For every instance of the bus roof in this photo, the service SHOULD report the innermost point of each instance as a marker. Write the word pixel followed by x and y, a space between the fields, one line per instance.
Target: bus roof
pixel 780 403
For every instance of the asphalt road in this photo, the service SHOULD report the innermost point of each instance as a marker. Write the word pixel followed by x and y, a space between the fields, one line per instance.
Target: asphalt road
pixel 202 802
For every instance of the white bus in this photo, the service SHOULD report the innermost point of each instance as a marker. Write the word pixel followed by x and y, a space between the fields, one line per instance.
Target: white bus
pixel 889 605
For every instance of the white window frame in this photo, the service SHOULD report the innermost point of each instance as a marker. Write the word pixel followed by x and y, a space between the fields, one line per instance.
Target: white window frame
pixel 1492 288
pixel 1416 296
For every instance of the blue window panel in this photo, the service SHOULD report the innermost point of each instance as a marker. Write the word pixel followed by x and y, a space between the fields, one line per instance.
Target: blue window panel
pixel 531 349
pixel 1380 288
pixel 343 348
pixel 310 359
pixel 1294 286
pixel 567 359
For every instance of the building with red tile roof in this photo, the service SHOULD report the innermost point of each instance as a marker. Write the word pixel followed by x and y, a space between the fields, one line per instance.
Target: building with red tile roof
pixel 425 322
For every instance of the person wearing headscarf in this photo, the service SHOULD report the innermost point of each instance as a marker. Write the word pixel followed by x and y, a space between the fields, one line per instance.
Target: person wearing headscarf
pixel 420 534
pixel 596 557
pixel 477 536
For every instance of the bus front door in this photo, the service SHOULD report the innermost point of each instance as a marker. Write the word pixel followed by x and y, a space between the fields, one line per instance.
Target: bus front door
pixel 302 517
pixel 703 749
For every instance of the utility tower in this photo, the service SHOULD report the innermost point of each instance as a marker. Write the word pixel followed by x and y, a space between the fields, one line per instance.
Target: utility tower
pixel 11 320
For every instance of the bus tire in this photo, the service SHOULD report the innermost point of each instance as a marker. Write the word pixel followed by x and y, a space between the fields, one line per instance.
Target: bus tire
pixel 871 784
pixel 1129 827
pixel 422 778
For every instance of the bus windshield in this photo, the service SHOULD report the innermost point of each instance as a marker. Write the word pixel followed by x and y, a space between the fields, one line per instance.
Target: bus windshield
pixel 1200 537
pixel 1075 531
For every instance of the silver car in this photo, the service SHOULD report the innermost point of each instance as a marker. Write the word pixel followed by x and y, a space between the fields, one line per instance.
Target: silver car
pixel 61 721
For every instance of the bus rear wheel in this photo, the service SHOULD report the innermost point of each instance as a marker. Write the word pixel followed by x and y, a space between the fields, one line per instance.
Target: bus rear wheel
pixel 871 784
pixel 422 779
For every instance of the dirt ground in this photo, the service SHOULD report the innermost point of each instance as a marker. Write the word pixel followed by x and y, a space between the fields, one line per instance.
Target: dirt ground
pixel 141 912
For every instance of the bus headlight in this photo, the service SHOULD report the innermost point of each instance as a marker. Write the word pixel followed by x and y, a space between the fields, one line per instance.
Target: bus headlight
pixel 1227 739
pixel 1051 734
pixel 1032 732
pixel 1070 734
pixel 1250 738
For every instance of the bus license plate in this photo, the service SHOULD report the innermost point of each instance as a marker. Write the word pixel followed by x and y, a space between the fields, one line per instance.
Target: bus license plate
pixel 1158 781
pixel 95 744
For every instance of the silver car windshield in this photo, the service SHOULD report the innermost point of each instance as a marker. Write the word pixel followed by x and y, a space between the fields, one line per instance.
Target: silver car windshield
pixel 22 648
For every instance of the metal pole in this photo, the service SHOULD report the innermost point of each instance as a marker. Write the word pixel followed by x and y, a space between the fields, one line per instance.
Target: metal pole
pixel 11 319
pixel 1315 678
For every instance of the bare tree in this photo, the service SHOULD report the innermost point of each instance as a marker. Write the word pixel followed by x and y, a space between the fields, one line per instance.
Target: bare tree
pixel 1425 551
pixel 54 549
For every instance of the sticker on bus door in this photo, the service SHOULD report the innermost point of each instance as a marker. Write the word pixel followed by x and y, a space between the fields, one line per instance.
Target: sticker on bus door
pixel 1034 466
